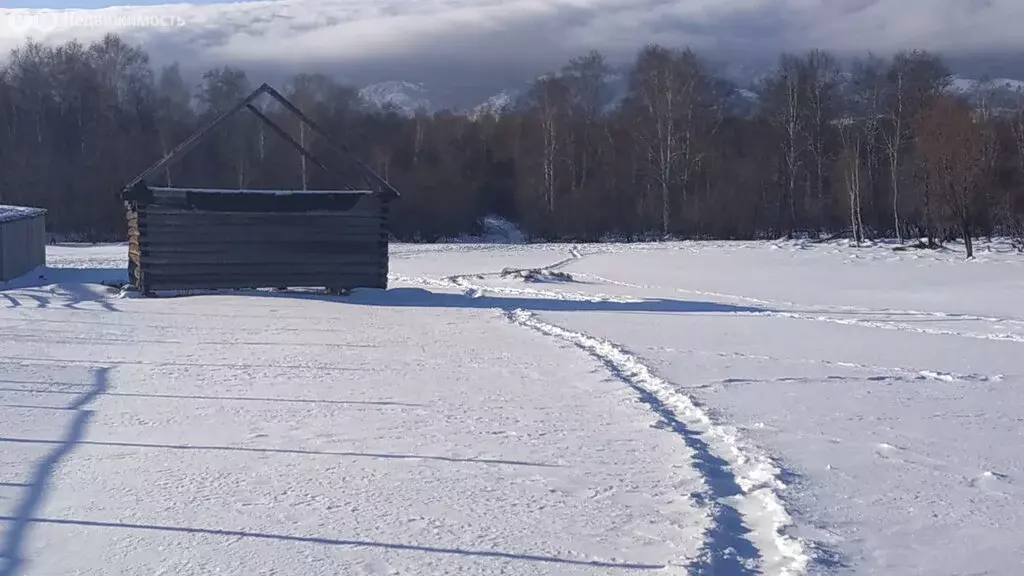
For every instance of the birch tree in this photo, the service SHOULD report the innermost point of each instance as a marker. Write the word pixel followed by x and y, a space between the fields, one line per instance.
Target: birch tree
pixel 866 103
pixel 550 100
pixel 670 99
pixel 586 82
pixel 782 104
pixel 851 166
pixel 914 79
pixel 823 103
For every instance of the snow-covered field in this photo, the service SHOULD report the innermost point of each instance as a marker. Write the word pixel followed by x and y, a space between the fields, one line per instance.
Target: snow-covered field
pixel 688 408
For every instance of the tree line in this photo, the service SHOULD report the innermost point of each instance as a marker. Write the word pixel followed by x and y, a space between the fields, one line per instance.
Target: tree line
pixel 877 148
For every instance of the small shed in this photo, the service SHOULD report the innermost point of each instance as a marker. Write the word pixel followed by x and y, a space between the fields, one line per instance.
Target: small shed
pixel 22 240
pixel 208 239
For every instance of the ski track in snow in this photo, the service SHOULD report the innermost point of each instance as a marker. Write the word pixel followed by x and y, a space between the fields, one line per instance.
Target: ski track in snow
pixel 770 308
pixel 462 281
pixel 754 503
pixel 801 312
pixel 741 482
pixel 880 372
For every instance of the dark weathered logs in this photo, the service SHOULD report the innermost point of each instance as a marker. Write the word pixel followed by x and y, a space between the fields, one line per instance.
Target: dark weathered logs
pixel 216 239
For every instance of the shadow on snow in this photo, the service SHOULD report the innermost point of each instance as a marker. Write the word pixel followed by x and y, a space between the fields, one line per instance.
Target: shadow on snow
pixel 259 450
pixel 348 543
pixel 12 560
pixel 73 286
pixel 14 536
pixel 422 298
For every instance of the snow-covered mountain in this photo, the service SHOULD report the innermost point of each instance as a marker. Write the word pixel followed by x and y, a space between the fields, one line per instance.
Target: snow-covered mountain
pixel 410 97
pixel 497 104
pixel 403 97
pixel 995 93
pixel 968 86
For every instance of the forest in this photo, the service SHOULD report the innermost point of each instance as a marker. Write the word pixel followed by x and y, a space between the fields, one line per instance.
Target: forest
pixel 877 147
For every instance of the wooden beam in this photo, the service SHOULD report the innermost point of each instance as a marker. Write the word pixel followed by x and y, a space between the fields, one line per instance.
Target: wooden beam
pixel 196 138
pixel 288 138
pixel 368 173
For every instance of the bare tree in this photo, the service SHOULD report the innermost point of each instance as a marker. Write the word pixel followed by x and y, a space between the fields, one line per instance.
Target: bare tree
pixel 550 102
pixel 821 83
pixel 222 88
pixel 915 78
pixel 586 80
pixel 782 98
pixel 850 163
pixel 897 135
pixel 174 111
pixel 671 102
pixel 1015 121
pixel 866 103
pixel 952 146
pixel 681 154
pixel 1016 199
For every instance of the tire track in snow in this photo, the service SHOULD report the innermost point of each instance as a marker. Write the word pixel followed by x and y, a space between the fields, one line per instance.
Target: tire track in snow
pixel 741 484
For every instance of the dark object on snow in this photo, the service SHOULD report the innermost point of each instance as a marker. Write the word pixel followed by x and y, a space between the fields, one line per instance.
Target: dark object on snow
pixel 206 239
pixel 931 244
pixel 22 240
pixel 536 275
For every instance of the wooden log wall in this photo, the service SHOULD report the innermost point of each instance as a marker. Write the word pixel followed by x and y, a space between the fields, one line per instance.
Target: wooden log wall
pixel 222 239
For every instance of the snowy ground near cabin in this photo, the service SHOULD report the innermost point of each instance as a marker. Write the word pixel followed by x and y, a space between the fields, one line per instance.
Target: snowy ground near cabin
pixel 704 408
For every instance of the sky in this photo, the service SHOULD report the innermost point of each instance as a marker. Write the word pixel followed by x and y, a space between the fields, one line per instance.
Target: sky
pixel 91 4
pixel 447 34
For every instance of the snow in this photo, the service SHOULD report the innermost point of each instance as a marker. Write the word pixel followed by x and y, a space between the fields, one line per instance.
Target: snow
pixel 495 105
pixel 730 408
pixel 494 230
pixel 967 85
pixel 12 213
pixel 748 94
pixel 406 97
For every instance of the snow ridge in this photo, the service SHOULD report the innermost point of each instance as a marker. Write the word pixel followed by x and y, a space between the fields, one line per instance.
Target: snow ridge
pixel 756 476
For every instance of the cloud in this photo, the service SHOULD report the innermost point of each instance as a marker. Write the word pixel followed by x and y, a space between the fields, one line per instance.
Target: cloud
pixel 478 32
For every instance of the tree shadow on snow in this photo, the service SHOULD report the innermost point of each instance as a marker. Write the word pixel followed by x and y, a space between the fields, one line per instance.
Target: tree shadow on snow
pixel 13 541
pixel 33 492
pixel 69 287
pixel 46 276
pixel 347 543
